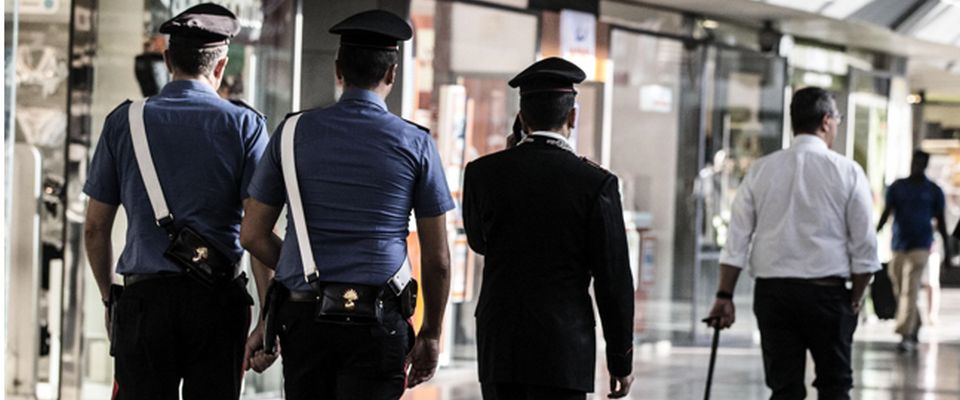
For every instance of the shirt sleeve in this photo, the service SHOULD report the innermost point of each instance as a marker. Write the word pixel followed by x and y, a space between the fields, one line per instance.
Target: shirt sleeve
pixel 861 236
pixel 613 280
pixel 938 200
pixel 254 147
pixel 889 198
pixel 743 222
pixel 267 185
pixel 103 181
pixel 431 195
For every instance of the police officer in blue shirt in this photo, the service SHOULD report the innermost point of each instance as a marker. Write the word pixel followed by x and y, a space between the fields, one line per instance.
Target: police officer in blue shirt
pixel 358 172
pixel 169 331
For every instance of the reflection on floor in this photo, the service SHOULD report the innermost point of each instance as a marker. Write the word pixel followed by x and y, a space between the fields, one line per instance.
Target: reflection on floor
pixel 666 372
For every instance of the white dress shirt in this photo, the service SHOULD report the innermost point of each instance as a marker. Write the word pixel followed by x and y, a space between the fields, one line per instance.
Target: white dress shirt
pixel 803 212
pixel 558 139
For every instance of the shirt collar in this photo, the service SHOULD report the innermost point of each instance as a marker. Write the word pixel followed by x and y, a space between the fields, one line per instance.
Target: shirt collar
pixel 184 86
pixel 363 95
pixel 551 135
pixel 809 142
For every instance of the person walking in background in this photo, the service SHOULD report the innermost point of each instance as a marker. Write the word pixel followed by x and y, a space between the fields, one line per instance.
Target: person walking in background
pixel 548 222
pixel 915 203
pixel 801 221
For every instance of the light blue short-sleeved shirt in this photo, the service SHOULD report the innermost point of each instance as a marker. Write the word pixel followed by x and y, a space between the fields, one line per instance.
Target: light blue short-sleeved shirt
pixel 361 170
pixel 204 149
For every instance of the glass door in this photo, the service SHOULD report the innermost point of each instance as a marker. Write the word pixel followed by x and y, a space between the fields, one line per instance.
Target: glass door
pixel 645 137
pixel 744 105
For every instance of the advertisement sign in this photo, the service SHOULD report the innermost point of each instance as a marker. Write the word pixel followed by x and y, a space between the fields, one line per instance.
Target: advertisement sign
pixel 578 40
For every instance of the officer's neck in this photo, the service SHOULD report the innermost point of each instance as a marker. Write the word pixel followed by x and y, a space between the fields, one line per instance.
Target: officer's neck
pixel 208 80
pixel 564 131
pixel 382 90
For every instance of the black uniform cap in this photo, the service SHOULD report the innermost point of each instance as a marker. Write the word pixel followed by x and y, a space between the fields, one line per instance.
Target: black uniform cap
pixel 202 26
pixel 552 74
pixel 375 29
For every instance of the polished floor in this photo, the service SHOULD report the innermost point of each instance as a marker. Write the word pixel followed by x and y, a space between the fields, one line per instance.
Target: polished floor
pixel 664 371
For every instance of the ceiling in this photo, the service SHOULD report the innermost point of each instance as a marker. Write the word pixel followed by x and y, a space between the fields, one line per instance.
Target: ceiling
pixel 821 24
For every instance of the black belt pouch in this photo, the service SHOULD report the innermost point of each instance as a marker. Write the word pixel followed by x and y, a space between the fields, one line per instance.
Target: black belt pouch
pixel 115 292
pixel 199 258
pixel 277 294
pixel 408 299
pixel 350 304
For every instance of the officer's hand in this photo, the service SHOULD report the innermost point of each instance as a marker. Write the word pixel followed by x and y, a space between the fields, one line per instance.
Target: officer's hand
pixel 620 386
pixel 254 357
pixel 722 315
pixel 423 360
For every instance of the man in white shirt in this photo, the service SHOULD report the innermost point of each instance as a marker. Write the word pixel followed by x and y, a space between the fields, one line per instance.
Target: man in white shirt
pixel 801 222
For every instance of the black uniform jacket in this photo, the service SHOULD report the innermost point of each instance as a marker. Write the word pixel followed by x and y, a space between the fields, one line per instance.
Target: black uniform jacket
pixel 547 222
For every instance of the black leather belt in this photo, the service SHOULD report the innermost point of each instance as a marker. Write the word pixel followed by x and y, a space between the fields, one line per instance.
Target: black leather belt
pixel 309 296
pixel 133 279
pixel 825 281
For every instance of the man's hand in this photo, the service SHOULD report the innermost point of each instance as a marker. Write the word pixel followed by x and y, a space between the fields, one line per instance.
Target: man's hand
pixel 620 386
pixel 254 357
pixel 857 306
pixel 423 360
pixel 722 315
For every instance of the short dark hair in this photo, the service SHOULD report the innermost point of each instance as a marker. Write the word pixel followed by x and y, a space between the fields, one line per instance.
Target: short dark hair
pixel 365 67
pixel 808 107
pixel 546 110
pixel 196 61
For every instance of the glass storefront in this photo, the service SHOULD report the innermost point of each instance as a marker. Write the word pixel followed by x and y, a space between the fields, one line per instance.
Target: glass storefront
pixel 69 64
pixel 678 119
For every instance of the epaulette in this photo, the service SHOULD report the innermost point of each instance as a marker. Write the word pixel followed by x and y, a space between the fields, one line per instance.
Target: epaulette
pixel 421 127
pixel 125 102
pixel 594 164
pixel 246 105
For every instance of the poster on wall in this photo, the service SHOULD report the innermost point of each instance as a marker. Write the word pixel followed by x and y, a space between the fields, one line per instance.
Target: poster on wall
pixel 578 40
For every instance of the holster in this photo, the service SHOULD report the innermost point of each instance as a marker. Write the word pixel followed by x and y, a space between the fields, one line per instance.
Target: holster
pixel 115 292
pixel 198 258
pixel 277 294
pixel 408 299
pixel 350 304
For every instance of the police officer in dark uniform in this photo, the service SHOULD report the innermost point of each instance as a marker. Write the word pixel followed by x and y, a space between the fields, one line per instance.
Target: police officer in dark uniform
pixel 170 327
pixel 350 175
pixel 547 222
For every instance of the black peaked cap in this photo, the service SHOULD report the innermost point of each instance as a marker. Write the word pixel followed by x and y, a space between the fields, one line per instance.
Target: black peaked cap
pixel 552 74
pixel 375 29
pixel 202 26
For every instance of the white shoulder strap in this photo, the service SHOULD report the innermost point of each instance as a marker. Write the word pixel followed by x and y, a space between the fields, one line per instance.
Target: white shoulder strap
pixel 141 150
pixel 289 166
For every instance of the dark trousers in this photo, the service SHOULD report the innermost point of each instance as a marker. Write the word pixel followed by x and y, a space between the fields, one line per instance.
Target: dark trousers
pixel 795 317
pixel 172 329
pixel 519 391
pixel 329 361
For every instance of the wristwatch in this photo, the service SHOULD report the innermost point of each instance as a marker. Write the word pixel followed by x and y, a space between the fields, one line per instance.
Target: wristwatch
pixel 724 295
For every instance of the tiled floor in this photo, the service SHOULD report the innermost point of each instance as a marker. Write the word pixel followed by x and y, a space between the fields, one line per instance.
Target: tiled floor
pixel 666 372
pixel 674 372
